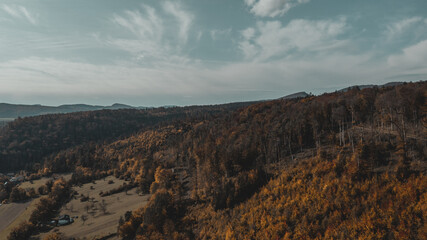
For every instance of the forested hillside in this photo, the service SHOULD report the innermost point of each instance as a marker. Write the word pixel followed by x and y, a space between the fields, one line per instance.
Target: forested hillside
pixel 342 165
pixel 27 141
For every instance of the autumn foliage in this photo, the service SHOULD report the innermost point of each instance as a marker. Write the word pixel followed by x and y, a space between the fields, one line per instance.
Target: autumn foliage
pixel 343 165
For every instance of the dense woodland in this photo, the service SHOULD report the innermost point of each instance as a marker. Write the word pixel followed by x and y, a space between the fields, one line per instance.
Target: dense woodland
pixel 26 141
pixel 342 165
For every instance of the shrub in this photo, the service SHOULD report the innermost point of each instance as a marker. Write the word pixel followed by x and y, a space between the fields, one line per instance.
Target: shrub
pixel 23 231
pixel 18 195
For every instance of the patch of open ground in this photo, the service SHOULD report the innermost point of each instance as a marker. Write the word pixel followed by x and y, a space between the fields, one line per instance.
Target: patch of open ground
pixel 42 181
pixel 12 214
pixel 99 223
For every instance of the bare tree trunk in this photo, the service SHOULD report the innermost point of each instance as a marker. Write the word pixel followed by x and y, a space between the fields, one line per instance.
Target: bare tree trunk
pixel 290 149
pixel 350 139
pixel 343 133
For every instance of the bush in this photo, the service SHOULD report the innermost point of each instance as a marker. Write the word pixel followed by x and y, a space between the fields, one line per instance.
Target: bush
pixel 84 198
pixel 43 190
pixel 119 189
pixel 18 195
pixel 45 209
pixel 151 219
pixel 23 231
pixel 48 206
pixel 54 236
pixel 158 209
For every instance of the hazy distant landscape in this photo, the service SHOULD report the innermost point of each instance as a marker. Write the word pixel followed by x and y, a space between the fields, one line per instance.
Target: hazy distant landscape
pixel 219 120
pixel 4 121
pixel 11 111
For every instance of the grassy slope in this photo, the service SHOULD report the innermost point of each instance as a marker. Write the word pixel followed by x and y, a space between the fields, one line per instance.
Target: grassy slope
pixel 98 223
pixel 21 211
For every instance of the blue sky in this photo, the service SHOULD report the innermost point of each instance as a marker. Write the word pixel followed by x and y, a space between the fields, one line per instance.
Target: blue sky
pixel 154 52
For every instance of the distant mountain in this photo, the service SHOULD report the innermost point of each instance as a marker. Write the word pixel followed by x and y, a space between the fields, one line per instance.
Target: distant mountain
pixel 296 95
pixel 17 110
pixel 116 106
pixel 390 84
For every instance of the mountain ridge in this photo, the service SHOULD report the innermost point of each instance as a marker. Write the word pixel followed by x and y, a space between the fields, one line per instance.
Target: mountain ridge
pixel 8 110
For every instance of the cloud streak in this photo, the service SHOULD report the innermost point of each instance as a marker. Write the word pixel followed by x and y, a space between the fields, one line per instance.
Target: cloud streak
pixel 166 54
pixel 153 37
pixel 184 18
pixel 44 77
pixel 272 40
pixel 19 12
pixel 411 59
pixel 398 28
pixel 272 8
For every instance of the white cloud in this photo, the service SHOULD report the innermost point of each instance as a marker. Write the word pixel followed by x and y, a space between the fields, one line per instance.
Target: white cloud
pixel 13 11
pixel 147 29
pixel 146 26
pixel 396 29
pixel 19 12
pixel 272 8
pixel 249 2
pixel 28 15
pixel 43 75
pixel 248 33
pixel 155 38
pixel 248 49
pixel 184 18
pixel 412 58
pixel 271 40
pixel 280 58
pixel 41 78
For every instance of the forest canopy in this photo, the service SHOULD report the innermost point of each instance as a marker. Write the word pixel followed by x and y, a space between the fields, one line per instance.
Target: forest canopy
pixel 341 165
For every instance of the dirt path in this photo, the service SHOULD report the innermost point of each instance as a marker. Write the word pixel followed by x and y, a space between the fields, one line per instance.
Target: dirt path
pixel 9 212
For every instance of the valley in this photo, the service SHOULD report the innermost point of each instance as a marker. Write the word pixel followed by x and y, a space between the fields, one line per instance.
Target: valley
pixel 341 165
pixel 213 120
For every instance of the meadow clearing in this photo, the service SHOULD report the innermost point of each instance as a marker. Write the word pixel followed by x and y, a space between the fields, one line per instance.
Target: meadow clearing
pixel 91 220
pixel 12 214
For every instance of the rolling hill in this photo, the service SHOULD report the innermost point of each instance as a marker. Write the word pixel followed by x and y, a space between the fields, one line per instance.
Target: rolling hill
pixel 17 110
pixel 343 165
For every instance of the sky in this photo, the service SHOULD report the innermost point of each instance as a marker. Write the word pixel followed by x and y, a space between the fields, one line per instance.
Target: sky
pixel 193 52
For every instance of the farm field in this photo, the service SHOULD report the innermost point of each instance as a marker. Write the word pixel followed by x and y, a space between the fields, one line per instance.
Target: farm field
pixel 40 182
pixel 12 214
pixel 98 222
pixel 9 212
